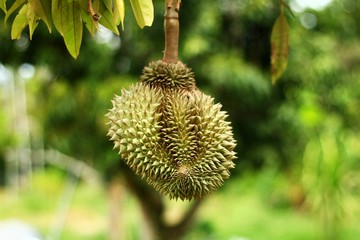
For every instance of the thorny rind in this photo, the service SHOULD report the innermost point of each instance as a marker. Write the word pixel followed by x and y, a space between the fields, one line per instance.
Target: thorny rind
pixel 168 75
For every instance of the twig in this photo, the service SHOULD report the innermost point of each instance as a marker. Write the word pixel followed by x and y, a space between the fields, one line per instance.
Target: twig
pixel 96 17
pixel 171 27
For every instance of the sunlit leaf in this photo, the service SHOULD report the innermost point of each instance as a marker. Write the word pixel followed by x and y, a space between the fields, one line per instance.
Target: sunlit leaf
pixel 108 4
pixel 67 20
pixel 33 20
pixel 42 9
pixel 20 22
pixel 72 27
pixel 279 47
pixel 96 5
pixel 144 12
pixel 3 5
pixel 119 12
pixel 90 24
pixel 107 19
pixel 13 8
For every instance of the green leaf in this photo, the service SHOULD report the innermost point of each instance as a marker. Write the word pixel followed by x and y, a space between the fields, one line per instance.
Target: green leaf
pixel 13 8
pixel 56 6
pixel 20 22
pixel 144 12
pixel 43 10
pixel 108 4
pixel 33 20
pixel 279 47
pixel 119 12
pixel 67 20
pixel 72 27
pixel 3 5
pixel 91 25
pixel 107 19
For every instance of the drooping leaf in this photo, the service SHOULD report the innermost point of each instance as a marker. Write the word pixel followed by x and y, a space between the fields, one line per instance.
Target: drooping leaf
pixel 72 28
pixel 42 9
pixel 96 5
pixel 3 5
pixel 20 22
pixel 67 20
pixel 279 47
pixel 108 4
pixel 91 25
pixel 119 12
pixel 107 19
pixel 56 12
pixel 33 20
pixel 144 12
pixel 83 5
pixel 13 8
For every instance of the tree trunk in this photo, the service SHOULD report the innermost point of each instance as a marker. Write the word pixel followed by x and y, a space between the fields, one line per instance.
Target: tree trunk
pixel 116 194
pixel 153 208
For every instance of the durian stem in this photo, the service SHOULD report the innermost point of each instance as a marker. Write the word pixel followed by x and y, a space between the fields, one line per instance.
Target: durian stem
pixel 171 27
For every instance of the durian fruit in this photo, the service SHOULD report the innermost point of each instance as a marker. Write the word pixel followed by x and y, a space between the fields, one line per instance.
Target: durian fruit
pixel 171 134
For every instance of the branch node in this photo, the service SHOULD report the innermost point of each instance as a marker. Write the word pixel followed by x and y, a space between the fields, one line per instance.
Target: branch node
pixel 95 16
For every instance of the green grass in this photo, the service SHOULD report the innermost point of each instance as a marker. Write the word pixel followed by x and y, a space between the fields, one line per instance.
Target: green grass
pixel 242 209
pixel 228 217
pixel 246 210
pixel 38 205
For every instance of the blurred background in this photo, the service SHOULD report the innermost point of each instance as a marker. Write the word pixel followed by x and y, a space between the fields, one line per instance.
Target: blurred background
pixel 297 175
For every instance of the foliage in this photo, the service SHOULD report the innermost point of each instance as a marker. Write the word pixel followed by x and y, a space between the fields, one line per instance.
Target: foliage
pixel 69 16
pixel 330 176
pixel 64 104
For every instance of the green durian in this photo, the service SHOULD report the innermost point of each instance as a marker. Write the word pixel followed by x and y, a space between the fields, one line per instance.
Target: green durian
pixel 171 134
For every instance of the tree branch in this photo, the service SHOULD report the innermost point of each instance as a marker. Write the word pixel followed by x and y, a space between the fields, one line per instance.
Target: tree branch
pixel 171 26
pixel 96 17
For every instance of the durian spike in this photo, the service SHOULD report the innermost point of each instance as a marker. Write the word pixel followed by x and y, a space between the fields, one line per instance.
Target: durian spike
pixel 171 27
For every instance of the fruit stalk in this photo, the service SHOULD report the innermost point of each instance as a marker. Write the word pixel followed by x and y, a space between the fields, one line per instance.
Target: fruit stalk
pixel 171 27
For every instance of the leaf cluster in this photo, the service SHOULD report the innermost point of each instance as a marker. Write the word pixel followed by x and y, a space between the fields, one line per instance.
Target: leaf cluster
pixel 69 17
